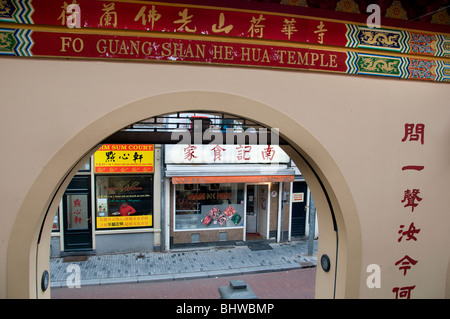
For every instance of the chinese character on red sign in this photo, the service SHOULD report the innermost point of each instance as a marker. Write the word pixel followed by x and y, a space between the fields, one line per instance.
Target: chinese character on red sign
pixel 410 197
pixel 184 21
pixel 320 32
pixel 405 263
pixel 414 132
pixel 110 16
pixel 289 27
pixel 256 29
pixel 217 28
pixel 151 16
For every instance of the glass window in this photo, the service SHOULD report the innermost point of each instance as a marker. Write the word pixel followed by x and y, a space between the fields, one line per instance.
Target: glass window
pixel 124 201
pixel 78 208
pixel 206 206
pixel 55 227
pixel 86 167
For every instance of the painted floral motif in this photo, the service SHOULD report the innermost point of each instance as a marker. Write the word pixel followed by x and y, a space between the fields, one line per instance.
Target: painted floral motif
pixel 423 43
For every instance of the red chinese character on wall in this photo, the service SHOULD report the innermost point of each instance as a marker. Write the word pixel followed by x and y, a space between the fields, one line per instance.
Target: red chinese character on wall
pixel 405 263
pixel 403 292
pixel 409 234
pixel 410 197
pixel 414 132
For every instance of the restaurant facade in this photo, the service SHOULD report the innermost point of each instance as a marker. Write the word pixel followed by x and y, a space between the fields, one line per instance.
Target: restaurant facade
pixel 228 194
pixel 109 206
pixel 242 193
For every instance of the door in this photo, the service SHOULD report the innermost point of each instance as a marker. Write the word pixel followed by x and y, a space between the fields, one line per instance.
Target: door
pixel 77 224
pixel 262 210
pixel 251 226
pixel 298 220
pixel 257 210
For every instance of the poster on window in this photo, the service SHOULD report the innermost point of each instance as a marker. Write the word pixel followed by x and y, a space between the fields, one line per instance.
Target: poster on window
pixel 77 205
pixel 124 201
pixel 208 206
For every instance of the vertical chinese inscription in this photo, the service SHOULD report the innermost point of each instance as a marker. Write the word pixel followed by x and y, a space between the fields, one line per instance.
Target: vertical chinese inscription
pixel 415 133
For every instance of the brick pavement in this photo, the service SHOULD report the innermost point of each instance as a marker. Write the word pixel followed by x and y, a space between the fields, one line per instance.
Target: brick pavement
pixel 184 264
pixel 292 284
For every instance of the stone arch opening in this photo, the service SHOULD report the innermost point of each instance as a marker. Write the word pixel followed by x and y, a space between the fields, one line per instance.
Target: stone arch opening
pixel 340 237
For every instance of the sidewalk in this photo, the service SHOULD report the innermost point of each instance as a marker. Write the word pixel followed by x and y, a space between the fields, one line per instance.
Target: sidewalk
pixel 184 264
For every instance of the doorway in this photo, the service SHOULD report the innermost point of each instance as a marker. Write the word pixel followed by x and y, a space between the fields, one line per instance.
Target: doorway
pixel 327 185
pixel 77 225
pixel 257 208
pixel 298 219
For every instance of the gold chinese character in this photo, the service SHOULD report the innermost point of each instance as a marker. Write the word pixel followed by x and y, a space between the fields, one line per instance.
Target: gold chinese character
pixel 321 31
pixel 184 21
pixel 256 28
pixel 110 16
pixel 152 16
pixel 289 27
pixel 221 27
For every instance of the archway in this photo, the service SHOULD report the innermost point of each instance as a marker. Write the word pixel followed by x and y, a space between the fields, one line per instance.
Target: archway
pixel 340 237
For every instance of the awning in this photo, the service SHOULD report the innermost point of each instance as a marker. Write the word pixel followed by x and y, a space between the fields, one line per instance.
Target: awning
pixel 231 179
pixel 229 173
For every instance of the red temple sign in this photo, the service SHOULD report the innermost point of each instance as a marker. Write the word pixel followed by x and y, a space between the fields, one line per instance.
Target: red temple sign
pixel 155 31
pixel 185 50
pixel 191 19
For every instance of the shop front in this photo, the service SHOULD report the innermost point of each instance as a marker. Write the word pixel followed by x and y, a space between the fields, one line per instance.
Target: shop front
pixel 224 200
pixel 109 205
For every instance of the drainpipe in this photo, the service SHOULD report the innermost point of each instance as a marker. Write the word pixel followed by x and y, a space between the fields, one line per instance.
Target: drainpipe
pixel 279 216
pixel 282 195
pixel 163 202
pixel 312 224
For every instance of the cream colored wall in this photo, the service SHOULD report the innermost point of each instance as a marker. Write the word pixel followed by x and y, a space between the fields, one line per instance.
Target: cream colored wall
pixel 349 128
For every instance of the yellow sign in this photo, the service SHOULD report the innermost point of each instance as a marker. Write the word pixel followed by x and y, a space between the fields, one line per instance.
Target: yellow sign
pixel 125 221
pixel 124 158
